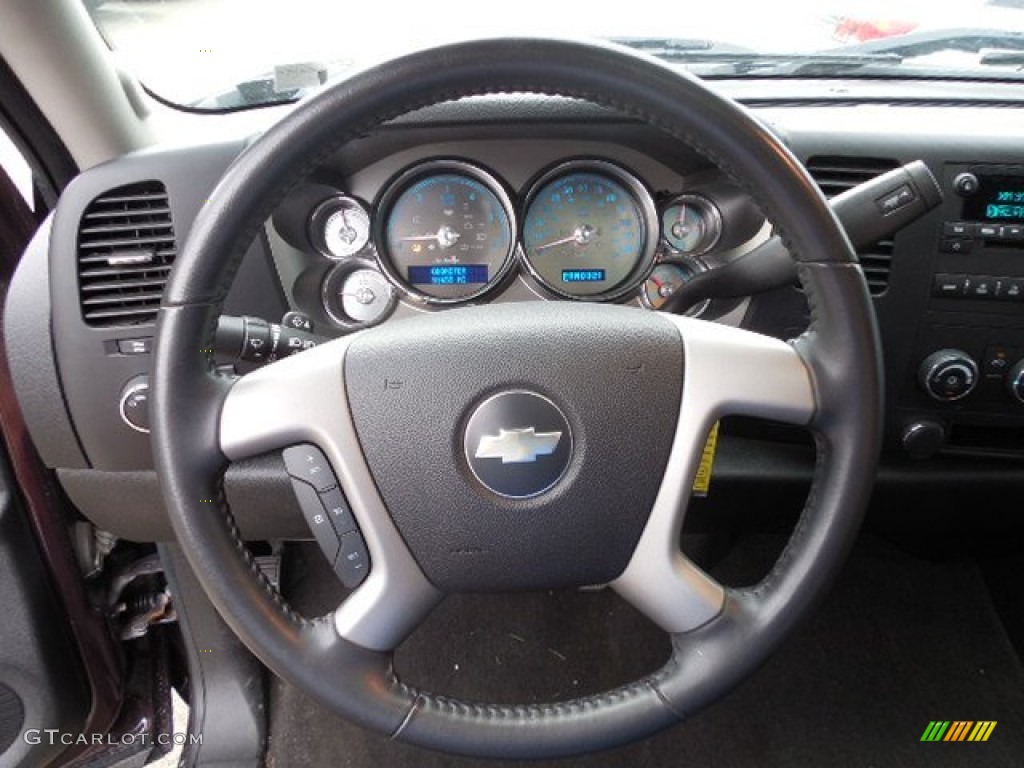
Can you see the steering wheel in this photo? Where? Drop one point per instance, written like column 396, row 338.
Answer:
column 402, row 413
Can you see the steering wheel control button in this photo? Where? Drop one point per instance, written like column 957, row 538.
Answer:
column 338, row 510
column 948, row 375
column 134, row 404
column 353, row 561
column 518, row 444
column 318, row 519
column 307, row 463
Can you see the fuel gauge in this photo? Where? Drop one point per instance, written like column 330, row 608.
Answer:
column 666, row 278
column 691, row 224
column 340, row 227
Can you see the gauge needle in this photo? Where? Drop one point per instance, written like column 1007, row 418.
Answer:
column 445, row 237
column 680, row 229
column 363, row 295
column 347, row 233
column 582, row 235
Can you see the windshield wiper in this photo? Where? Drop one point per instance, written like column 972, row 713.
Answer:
column 922, row 43
column 727, row 59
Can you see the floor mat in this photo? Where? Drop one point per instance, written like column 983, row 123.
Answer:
column 900, row 642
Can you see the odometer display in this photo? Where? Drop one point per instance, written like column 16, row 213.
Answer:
column 586, row 230
column 447, row 232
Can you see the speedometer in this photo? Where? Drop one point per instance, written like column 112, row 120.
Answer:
column 446, row 232
column 589, row 230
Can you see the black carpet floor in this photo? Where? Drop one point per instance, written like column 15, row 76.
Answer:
column 900, row 642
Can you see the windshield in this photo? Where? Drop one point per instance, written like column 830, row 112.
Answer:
column 226, row 54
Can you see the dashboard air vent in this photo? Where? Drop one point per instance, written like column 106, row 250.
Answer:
column 835, row 175
column 126, row 248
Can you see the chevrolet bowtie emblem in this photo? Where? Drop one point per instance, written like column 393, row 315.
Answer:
column 517, row 446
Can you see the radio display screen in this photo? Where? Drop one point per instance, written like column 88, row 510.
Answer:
column 999, row 199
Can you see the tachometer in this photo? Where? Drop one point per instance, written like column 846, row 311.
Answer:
column 447, row 232
column 589, row 230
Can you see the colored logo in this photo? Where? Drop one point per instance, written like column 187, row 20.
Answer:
column 958, row 730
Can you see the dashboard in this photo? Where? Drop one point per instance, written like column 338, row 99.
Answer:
column 520, row 199
column 432, row 231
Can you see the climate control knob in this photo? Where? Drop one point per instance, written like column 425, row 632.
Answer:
column 948, row 375
column 1015, row 382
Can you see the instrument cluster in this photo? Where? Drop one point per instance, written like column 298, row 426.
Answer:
column 447, row 231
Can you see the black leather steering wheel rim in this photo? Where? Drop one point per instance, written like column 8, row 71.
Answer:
column 840, row 351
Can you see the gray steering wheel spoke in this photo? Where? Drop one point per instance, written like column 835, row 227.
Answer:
column 301, row 399
column 728, row 371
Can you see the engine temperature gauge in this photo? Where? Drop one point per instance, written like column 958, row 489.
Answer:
column 340, row 227
column 356, row 295
column 666, row 278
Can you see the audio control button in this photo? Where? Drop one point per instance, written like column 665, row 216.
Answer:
column 958, row 228
column 956, row 244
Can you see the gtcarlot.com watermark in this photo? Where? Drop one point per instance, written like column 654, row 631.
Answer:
column 53, row 736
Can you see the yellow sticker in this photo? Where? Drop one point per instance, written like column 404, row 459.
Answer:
column 702, row 482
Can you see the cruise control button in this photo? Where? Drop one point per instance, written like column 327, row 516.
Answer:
column 318, row 519
column 307, row 462
column 353, row 561
column 950, row 286
column 338, row 510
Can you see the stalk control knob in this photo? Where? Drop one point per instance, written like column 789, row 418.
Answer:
column 948, row 375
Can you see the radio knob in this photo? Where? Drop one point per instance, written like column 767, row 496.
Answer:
column 1015, row 382
column 948, row 375
column 965, row 184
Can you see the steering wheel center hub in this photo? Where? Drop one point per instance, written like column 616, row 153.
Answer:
column 510, row 456
column 518, row 444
